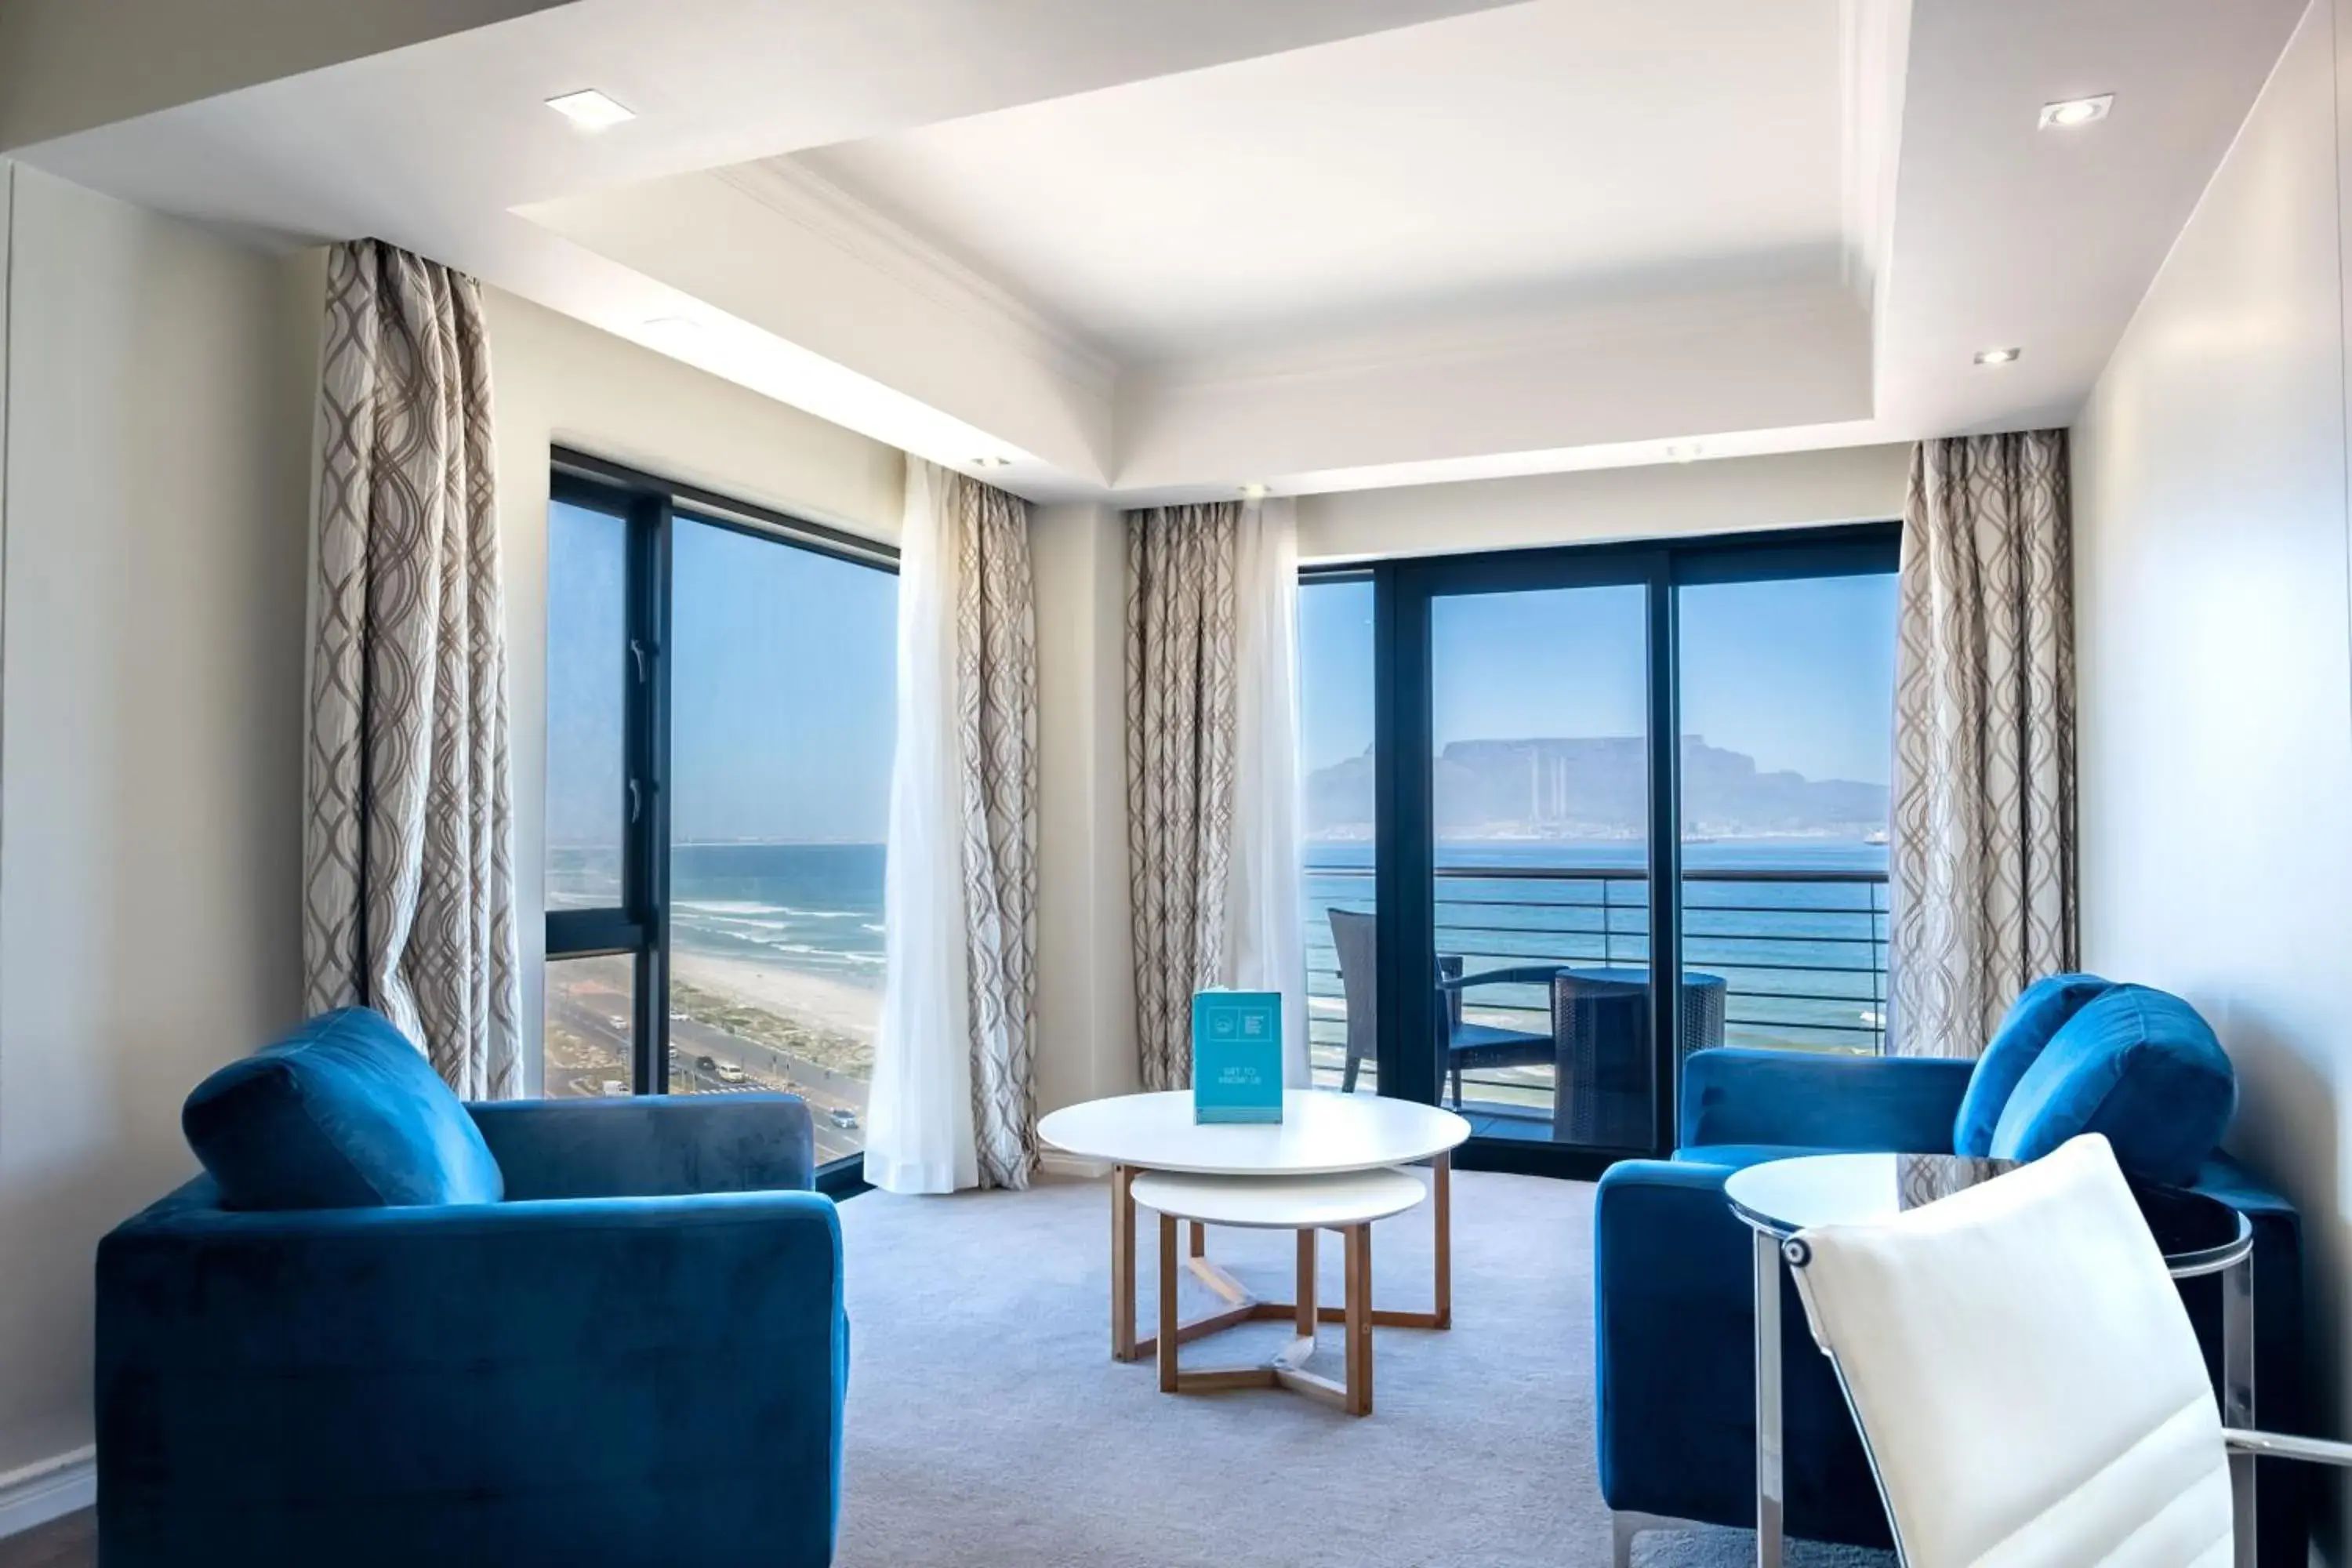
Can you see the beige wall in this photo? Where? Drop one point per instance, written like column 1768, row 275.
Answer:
column 1728, row 495
column 558, row 382
column 154, row 491
column 1086, row 984
column 2212, row 630
column 65, row 66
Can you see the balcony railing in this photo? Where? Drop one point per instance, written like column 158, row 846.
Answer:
column 1802, row 954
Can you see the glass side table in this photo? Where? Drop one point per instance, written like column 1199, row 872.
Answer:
column 2198, row 1235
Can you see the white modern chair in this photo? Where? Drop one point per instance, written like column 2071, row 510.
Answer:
column 2025, row 1378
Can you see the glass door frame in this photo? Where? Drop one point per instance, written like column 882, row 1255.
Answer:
column 1405, row 847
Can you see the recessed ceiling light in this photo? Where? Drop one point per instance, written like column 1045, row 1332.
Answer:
column 1254, row 491
column 1997, row 356
column 2075, row 111
column 590, row 110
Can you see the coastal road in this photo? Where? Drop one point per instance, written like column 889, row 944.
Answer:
column 599, row 1016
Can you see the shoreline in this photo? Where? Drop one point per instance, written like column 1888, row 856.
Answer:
column 815, row 1000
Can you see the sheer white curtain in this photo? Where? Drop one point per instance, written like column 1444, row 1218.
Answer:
column 954, row 1101
column 918, row 1119
column 1266, row 947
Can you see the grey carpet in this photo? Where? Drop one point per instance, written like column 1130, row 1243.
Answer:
column 988, row 1427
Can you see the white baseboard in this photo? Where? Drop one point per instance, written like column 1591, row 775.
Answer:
column 1053, row 1162
column 48, row 1489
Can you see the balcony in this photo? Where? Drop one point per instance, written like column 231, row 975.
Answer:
column 1802, row 954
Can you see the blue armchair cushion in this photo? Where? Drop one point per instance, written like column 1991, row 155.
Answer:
column 342, row 1113
column 2137, row 1065
column 650, row 1145
column 1820, row 1100
column 2037, row 1016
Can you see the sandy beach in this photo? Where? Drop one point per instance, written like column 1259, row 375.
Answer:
column 818, row 999
column 831, row 1020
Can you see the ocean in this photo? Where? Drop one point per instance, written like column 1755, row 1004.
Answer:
column 1796, row 927
column 812, row 907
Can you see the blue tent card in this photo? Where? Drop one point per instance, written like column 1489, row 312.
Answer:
column 1237, row 1055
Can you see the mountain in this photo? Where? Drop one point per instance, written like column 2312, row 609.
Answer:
column 1598, row 787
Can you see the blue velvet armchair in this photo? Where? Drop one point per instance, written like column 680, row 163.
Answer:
column 623, row 1342
column 1674, row 1282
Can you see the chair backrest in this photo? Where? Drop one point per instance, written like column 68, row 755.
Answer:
column 1355, row 940
column 2024, row 1374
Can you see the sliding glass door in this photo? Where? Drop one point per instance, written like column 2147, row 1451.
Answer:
column 1540, row 816
column 1338, row 698
column 1558, row 885
column 1787, row 747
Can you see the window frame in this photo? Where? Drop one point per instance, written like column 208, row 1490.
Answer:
column 1403, row 852
column 639, row 925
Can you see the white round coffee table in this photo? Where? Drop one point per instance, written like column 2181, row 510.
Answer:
column 1347, row 1203
column 1321, row 1133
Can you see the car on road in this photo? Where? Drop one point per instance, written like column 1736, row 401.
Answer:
column 730, row 1073
column 678, row 1018
column 617, row 1021
column 842, row 1117
column 706, row 1064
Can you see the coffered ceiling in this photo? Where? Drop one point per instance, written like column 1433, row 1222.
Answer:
column 1171, row 246
column 1481, row 170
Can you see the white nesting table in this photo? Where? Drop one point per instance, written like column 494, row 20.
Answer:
column 1348, row 1204
column 1321, row 1133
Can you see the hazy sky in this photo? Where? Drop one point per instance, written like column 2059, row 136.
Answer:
column 783, row 679
column 783, row 691
column 1798, row 675
column 781, row 686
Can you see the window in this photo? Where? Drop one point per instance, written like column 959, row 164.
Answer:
column 587, row 706
column 1334, row 707
column 1788, row 720
column 1632, row 804
column 1540, row 812
column 720, row 701
column 592, row 1006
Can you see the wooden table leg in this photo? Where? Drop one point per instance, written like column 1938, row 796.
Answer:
column 1168, row 1345
column 1200, row 1240
column 1122, row 1263
column 1442, row 1195
column 1359, row 1320
column 1305, row 1303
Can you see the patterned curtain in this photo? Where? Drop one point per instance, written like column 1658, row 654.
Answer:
column 1983, row 853
column 996, row 715
column 408, row 868
column 1182, row 715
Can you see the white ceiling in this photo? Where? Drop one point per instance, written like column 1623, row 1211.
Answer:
column 2004, row 234
column 1571, row 153
column 1161, row 248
